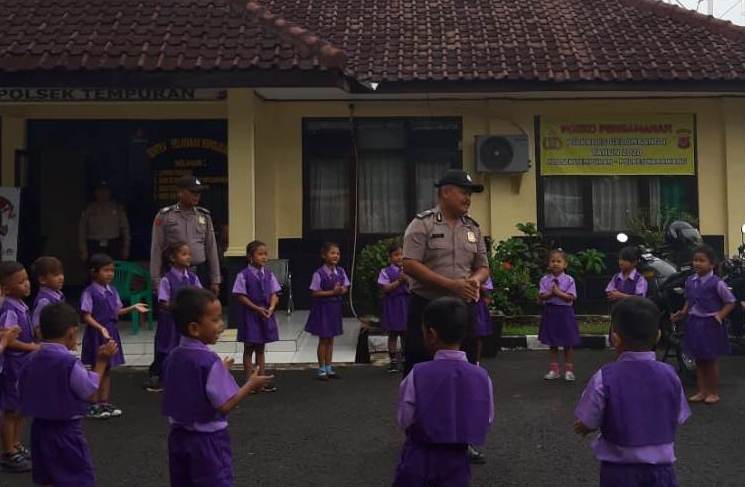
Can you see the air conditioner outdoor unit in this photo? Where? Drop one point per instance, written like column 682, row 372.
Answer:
column 502, row 154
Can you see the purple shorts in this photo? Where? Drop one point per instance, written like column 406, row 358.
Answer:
column 61, row 456
column 433, row 466
column 200, row 459
column 629, row 474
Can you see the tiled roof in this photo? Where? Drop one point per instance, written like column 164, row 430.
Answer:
column 377, row 40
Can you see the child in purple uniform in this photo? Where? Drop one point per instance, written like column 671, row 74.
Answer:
column 176, row 274
column 628, row 281
column 483, row 325
column 328, row 285
column 708, row 303
column 14, row 313
column 395, row 286
column 636, row 402
column 55, row 391
column 444, row 404
column 559, row 326
column 51, row 277
column 198, row 393
column 101, row 309
column 256, row 289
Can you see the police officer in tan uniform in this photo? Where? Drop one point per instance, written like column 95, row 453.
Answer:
column 103, row 227
column 187, row 222
column 445, row 255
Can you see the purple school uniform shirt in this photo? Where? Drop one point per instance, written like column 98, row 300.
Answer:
column 239, row 287
column 86, row 300
column 407, row 391
column 722, row 290
column 9, row 319
column 566, row 285
column 164, row 289
column 82, row 381
column 221, row 386
column 43, row 302
column 618, row 279
column 590, row 412
column 315, row 283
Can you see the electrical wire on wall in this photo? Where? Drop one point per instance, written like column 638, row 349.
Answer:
column 355, row 213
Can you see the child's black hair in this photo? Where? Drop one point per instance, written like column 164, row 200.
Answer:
column 629, row 254
column 252, row 247
column 449, row 317
column 168, row 252
column 8, row 269
column 327, row 246
column 189, row 306
column 708, row 252
column 636, row 320
column 56, row 319
column 560, row 252
column 98, row 261
column 46, row 266
column 394, row 247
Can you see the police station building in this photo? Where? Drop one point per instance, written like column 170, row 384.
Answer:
column 333, row 120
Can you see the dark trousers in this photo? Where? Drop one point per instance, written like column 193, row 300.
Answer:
column 113, row 248
column 415, row 351
column 203, row 273
column 156, row 368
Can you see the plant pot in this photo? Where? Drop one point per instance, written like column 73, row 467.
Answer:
column 492, row 343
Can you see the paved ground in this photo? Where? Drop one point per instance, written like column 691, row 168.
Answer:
column 343, row 434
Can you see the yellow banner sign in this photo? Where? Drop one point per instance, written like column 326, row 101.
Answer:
column 624, row 145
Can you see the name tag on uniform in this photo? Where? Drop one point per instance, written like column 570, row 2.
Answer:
column 471, row 237
column 202, row 221
column 437, row 235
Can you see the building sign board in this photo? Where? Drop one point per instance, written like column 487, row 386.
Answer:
column 109, row 94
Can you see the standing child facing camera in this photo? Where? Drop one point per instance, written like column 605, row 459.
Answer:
column 198, row 393
column 636, row 402
column 628, row 281
column 55, row 391
column 327, row 287
column 51, row 277
column 445, row 404
column 395, row 286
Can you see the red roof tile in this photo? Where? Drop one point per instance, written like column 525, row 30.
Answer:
column 377, row 40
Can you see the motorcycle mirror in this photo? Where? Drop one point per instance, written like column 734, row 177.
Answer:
column 623, row 238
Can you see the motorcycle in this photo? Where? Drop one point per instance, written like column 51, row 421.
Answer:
column 733, row 273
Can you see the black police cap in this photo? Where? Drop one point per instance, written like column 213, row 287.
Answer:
column 460, row 178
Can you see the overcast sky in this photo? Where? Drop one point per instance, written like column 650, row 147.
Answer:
column 731, row 10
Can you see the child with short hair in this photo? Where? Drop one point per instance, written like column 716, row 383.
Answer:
column 56, row 390
column 708, row 303
column 628, row 281
column 636, row 402
column 483, row 326
column 176, row 272
column 101, row 308
column 328, row 285
column 445, row 404
column 256, row 289
column 198, row 393
column 395, row 286
column 14, row 313
column 559, row 327
column 51, row 277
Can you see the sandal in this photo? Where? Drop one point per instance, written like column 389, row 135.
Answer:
column 700, row 397
column 711, row 399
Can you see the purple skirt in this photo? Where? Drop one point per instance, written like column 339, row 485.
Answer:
column 637, row 474
column 61, row 456
column 10, row 397
column 167, row 336
column 433, row 465
column 254, row 329
column 482, row 323
column 559, row 326
column 200, row 459
column 325, row 318
column 705, row 338
column 92, row 340
column 395, row 312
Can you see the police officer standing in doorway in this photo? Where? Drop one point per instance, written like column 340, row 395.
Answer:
column 187, row 222
column 103, row 228
column 445, row 255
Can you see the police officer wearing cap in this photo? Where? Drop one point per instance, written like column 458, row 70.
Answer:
column 187, row 222
column 445, row 255
column 103, row 227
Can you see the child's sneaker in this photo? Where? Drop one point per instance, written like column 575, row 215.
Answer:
column 332, row 373
column 392, row 368
column 23, row 451
column 16, row 463
column 269, row 388
column 569, row 376
column 113, row 411
column 552, row 375
column 323, row 376
column 152, row 384
column 97, row 411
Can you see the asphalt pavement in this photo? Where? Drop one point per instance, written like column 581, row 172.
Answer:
column 343, row 433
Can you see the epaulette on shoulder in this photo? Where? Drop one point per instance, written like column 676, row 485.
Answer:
column 471, row 220
column 166, row 209
column 203, row 210
column 425, row 214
